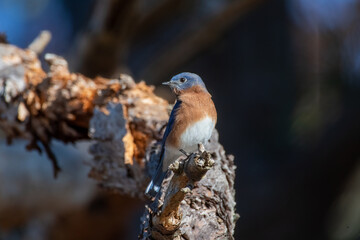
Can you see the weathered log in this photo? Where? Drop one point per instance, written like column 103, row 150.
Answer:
column 125, row 121
column 40, row 106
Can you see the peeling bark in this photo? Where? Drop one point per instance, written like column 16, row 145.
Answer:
column 125, row 121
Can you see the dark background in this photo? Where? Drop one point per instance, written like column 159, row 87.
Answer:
column 285, row 78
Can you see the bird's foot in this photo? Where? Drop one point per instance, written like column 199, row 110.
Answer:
column 184, row 152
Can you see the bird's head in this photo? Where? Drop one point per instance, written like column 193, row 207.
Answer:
column 184, row 81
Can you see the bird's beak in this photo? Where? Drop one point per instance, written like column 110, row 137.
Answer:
column 169, row 83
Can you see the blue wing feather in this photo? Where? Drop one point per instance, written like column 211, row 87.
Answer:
column 155, row 184
column 170, row 123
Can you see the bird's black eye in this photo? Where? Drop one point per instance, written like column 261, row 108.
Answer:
column 182, row 80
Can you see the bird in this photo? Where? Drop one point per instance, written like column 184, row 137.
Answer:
column 192, row 121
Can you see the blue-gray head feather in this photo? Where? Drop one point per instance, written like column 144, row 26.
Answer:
column 185, row 81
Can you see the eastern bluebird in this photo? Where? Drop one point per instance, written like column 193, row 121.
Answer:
column 191, row 122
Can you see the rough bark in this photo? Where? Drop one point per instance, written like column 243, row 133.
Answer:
column 192, row 206
column 125, row 121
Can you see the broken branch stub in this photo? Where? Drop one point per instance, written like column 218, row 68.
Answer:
column 208, row 212
column 186, row 173
column 198, row 164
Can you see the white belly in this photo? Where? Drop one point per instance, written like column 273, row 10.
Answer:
column 199, row 132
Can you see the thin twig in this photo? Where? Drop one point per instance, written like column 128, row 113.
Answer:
column 40, row 42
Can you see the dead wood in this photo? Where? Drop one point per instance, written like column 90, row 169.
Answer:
column 124, row 120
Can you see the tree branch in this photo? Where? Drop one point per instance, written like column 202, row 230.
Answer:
column 124, row 120
column 194, row 40
column 197, row 199
column 186, row 173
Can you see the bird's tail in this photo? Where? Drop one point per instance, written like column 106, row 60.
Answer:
column 154, row 186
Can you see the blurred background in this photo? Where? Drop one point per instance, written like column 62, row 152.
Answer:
column 284, row 75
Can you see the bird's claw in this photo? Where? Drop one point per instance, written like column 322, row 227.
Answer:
column 185, row 153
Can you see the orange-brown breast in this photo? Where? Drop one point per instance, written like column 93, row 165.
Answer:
column 196, row 104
